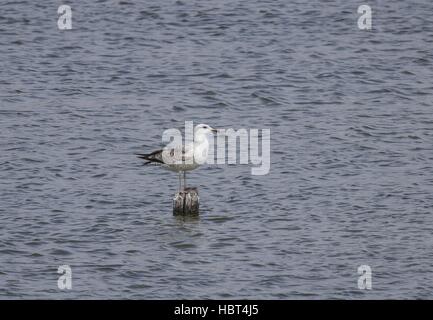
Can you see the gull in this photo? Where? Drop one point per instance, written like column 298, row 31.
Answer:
column 183, row 158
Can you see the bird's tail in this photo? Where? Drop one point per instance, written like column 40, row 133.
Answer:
column 154, row 157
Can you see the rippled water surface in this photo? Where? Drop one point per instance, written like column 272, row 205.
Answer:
column 351, row 122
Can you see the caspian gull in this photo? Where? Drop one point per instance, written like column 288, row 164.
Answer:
column 183, row 158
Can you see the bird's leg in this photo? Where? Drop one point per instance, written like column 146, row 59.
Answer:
column 180, row 181
column 184, row 180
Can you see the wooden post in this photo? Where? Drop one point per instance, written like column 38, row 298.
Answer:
column 186, row 202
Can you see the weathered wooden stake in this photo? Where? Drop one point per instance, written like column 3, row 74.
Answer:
column 186, row 202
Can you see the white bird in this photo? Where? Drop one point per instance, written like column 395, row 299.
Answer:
column 183, row 158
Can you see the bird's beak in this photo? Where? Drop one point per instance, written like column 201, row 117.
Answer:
column 214, row 130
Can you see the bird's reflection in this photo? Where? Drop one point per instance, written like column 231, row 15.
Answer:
column 182, row 219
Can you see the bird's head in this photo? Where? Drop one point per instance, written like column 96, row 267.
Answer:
column 203, row 129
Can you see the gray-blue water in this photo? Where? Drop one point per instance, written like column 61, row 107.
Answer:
column 351, row 119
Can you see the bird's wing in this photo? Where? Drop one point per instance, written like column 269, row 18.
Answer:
column 178, row 154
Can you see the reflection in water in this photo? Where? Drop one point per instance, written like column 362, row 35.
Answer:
column 192, row 219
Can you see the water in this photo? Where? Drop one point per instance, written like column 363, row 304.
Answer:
column 350, row 114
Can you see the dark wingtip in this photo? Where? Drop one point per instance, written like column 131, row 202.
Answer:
column 141, row 155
